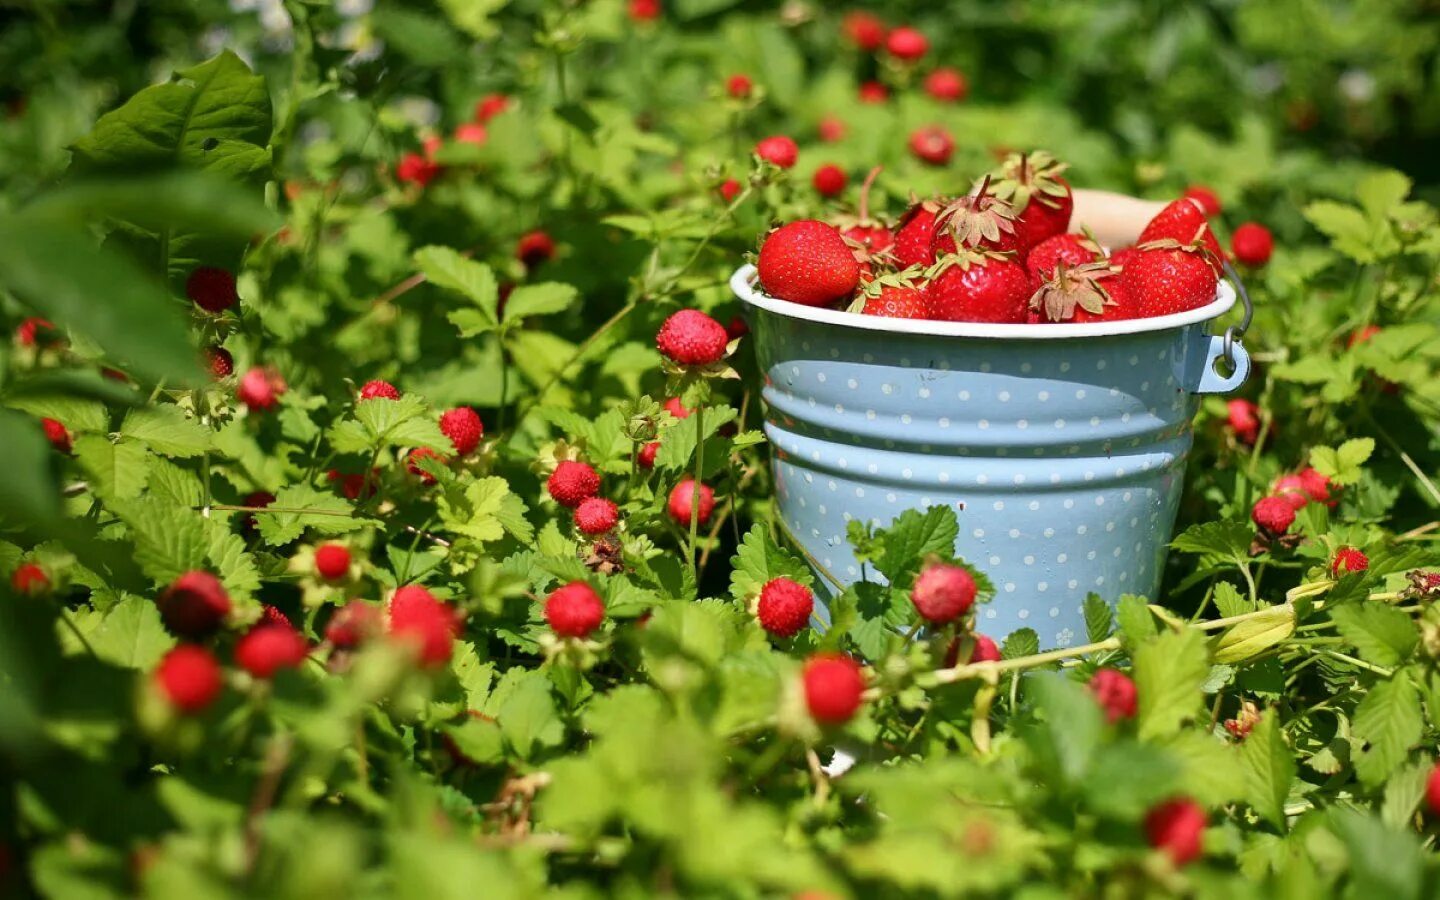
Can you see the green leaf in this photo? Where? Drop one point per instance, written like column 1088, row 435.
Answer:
column 168, row 542
column 1404, row 791
column 27, row 493
column 479, row 740
column 1253, row 636
column 192, row 200
column 476, row 513
column 1072, row 725
column 230, row 559
column 1021, row 642
column 473, row 16
column 77, row 414
column 380, row 422
column 677, row 444
column 757, row 560
column 913, row 536
column 1137, row 623
column 130, row 634
column 166, row 430
column 1169, row 671
column 1350, row 232
column 1345, row 465
column 1223, row 541
column 1383, row 862
column 1230, row 602
column 115, row 471
column 1388, row 720
column 446, row 268
column 425, row 39
column 1381, row 633
column 324, row 513
column 1269, row 768
column 1099, row 619
column 528, row 717
column 1380, row 192
column 539, row 300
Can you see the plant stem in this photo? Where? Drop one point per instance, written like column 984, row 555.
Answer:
column 695, row 488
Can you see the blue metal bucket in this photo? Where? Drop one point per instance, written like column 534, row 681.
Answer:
column 1062, row 447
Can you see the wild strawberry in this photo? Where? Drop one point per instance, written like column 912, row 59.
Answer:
column 422, row 621
column 1184, row 222
column 1177, row 827
column 1432, row 791
column 463, row 427
column 681, row 503
column 907, row 44
column 932, row 144
column 471, row 133
column 1347, row 560
column 691, row 338
column 416, row 169
column 829, row 180
column 260, row 388
column 1070, row 249
column 57, row 434
column 332, row 561
column 255, row 500
column 1092, row 292
column 353, row 624
column 779, row 150
column 644, row 10
column 1243, row 417
column 37, row 332
column 737, row 327
column 219, row 361
column 943, row 593
column 574, row 610
column 906, row 300
column 729, row 189
column 194, row 605
column 1115, row 693
column 1167, row 278
column 266, row 649
column 915, row 234
column 596, row 515
column 273, row 616
column 784, row 607
column 739, row 86
column 378, row 388
column 831, row 130
column 974, row 287
column 807, row 262
column 352, row 485
column 674, row 407
column 30, row 580
column 211, row 289
column 490, row 106
column 534, row 248
column 1292, row 489
column 834, row 687
column 946, row 85
column 189, row 678
column 572, row 483
column 1317, row 486
column 978, row 221
column 1209, row 201
column 1362, row 335
column 864, row 30
column 1252, row 244
column 873, row 92
column 985, row 650
column 413, row 458
column 1244, row 722
column 645, row 459
column 1274, row 515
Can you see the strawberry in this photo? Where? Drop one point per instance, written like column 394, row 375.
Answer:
column 30, row 580
column 353, row 484
column 915, row 234
column 873, row 92
column 37, row 332
column 1092, row 292
column 778, row 149
column 906, row 44
column 674, row 407
column 596, row 515
column 189, row 678
column 834, row 687
column 1292, row 489
column 645, row 459
column 1165, row 277
column 463, row 427
column 534, row 248
column 572, row 483
column 899, row 296
column 1348, row 559
column 377, row 388
column 983, row 649
column 864, row 30
column 682, row 499
column 1243, row 417
column 737, row 327
column 829, row 180
column 808, row 262
column 211, row 289
column 1361, row 335
column 353, row 624
column 943, row 593
column 254, row 500
column 1209, row 201
column 946, row 85
column 421, row 621
column 1115, row 693
column 471, row 133
column 729, row 189
column 644, row 10
column 194, row 605
column 574, row 610
column 490, row 106
column 932, row 144
column 272, row 615
column 1040, row 198
column 869, row 236
column 57, row 434
column 412, row 463
column 219, row 361
column 1184, row 222
column 332, row 561
column 1176, row 827
column 831, row 130
column 415, row 168
column 1274, row 515
column 979, row 287
column 784, row 607
column 1317, row 486
column 1252, row 244
column 1071, row 249
column 1432, row 791
column 692, row 338
column 739, row 86
column 266, row 649
column 979, row 221
column 260, row 388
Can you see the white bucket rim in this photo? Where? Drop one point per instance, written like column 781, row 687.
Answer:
column 744, row 281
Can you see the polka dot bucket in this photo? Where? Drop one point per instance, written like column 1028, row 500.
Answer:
column 1061, row 447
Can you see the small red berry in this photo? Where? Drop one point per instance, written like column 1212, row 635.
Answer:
column 332, row 561
column 677, row 409
column 784, row 607
column 1252, row 244
column 834, row 687
column 414, row 168
column 646, row 457
column 572, row 483
column 1115, row 693
column 260, row 388
column 471, row 133
column 1317, row 486
column 267, row 648
column 212, row 289
column 739, row 86
column 780, row 150
column 737, row 327
column 1361, row 335
column 1176, row 827
column 219, row 361
column 56, row 434
column 907, row 44
column 490, row 106
column 353, row 484
column 189, row 678
column 413, row 458
column 1243, row 417
column 947, row 85
column 418, row 618
column 29, row 579
column 194, row 605
column 377, row 388
column 829, row 180
column 644, row 10
column 1432, row 791
column 985, row 650
column 682, row 498
column 873, row 92
column 463, row 427
column 353, row 624
column 1347, row 560
column 864, row 30
column 255, row 500
column 1292, row 488
column 574, row 610
column 534, row 248
column 596, row 515
column 932, row 144
column 273, row 616
column 729, row 190
column 1274, row 515
column 1209, row 200
column 36, row 332
column 831, row 130
column 943, row 593
column 691, row 338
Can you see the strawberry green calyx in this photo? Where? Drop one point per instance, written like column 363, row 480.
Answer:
column 1036, row 175
column 1072, row 288
column 979, row 219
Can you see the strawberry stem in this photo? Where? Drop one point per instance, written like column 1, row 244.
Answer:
column 865, row 193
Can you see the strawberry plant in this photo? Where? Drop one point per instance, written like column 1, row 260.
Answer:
column 388, row 503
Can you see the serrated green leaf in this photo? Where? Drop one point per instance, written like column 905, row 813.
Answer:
column 1137, row 623
column 1169, row 672
column 914, row 535
column 528, row 717
column 1230, row 602
column 1073, row 725
column 77, row 414
column 1381, row 633
column 476, row 512
column 166, row 430
column 446, row 268
column 1223, row 541
column 1404, row 791
column 323, row 513
column 1269, row 767
column 1388, row 720
column 757, row 560
column 1020, row 642
column 1099, row 619
column 677, row 443
column 230, row 560
column 539, row 300
column 115, row 471
column 130, row 634
column 1345, row 464
column 168, row 542
column 1253, row 636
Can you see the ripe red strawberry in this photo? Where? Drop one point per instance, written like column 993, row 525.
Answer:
column 1274, row 515
column 37, row 332
column 254, row 500
column 674, row 407
column 219, row 361
column 943, row 593
column 1070, row 249
column 739, row 86
column 260, row 388
column 778, row 149
column 353, row 484
column 932, row 144
column 831, row 130
column 1119, row 258
column 1092, row 292
column 268, row 648
column 784, row 607
column 729, row 189
column 332, row 561
column 1183, row 221
column 1362, row 335
column 194, row 605
column 834, row 688
column 737, row 327
column 211, row 289
column 868, row 236
column 30, row 580
column 1167, row 278
column 978, row 221
column 273, row 616
column 412, row 463
column 1317, row 486
column 985, row 650
column 463, row 427
column 1040, row 198
column 1432, row 791
column 873, row 92
column 422, row 621
column 1347, row 560
column 864, row 30
column 691, row 338
column 946, row 85
column 644, row 10
column 907, row 300
column 490, row 106
column 189, row 678
column 1252, row 244
column 1243, row 417
column 574, row 610
column 915, row 235
column 1292, row 489
column 572, row 483
column 682, row 498
column 596, row 515
column 1177, row 827
column 415, row 168
column 353, row 624
column 1209, row 201
column 808, row 262
column 534, row 248
column 57, row 434
column 471, row 133
column 829, row 180
column 907, row 44
column 377, row 388
column 1115, row 693
column 971, row 287
column 645, row 459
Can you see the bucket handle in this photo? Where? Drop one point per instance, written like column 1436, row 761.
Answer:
column 1228, row 348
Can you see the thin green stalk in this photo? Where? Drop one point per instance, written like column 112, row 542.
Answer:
column 695, row 489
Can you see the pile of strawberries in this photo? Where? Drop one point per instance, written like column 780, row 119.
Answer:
column 999, row 254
